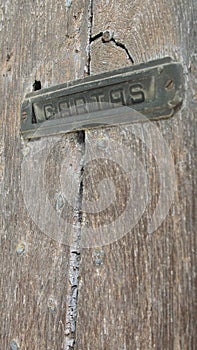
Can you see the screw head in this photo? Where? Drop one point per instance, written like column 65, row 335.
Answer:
column 107, row 35
column 169, row 85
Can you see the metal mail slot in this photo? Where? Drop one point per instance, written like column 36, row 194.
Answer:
column 154, row 89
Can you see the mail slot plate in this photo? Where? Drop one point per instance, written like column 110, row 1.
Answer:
column 154, row 89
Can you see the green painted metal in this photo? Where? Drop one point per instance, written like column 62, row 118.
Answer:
column 154, row 89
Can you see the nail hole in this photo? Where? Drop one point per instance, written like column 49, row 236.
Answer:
column 37, row 85
column 8, row 57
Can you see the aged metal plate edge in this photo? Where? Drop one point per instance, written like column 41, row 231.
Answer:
column 154, row 89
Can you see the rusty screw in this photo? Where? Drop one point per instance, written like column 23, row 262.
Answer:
column 107, row 35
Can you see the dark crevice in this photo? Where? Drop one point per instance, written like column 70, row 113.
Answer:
column 81, row 195
column 8, row 57
column 34, row 120
column 124, row 48
column 37, row 85
column 117, row 43
column 90, row 35
column 95, row 37
column 81, row 137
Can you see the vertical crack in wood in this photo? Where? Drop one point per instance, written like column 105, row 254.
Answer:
column 90, row 25
column 75, row 253
column 75, row 249
column 74, row 262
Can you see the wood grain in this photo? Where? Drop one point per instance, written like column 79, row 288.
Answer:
column 139, row 291
column 148, row 30
column 44, row 41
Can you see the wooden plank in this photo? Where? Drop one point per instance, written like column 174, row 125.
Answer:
column 45, row 41
column 139, row 291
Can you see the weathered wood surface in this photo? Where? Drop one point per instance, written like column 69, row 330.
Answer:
column 139, row 291
column 45, row 41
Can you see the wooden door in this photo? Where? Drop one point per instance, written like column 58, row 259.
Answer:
column 137, row 291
